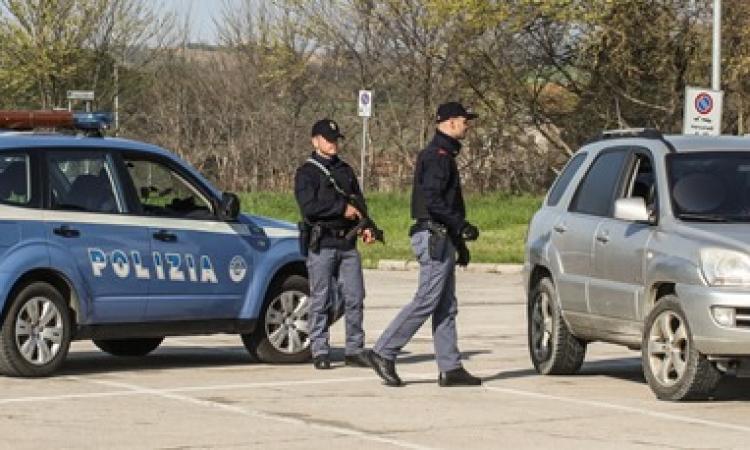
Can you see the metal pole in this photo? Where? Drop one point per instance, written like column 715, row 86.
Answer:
column 716, row 62
column 117, row 99
column 362, row 155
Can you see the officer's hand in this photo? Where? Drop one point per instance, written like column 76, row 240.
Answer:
column 352, row 213
column 367, row 236
column 464, row 257
column 469, row 232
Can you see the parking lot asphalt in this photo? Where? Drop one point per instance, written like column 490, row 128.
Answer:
column 201, row 392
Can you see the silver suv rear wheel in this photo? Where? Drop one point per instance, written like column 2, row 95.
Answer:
column 554, row 350
column 673, row 367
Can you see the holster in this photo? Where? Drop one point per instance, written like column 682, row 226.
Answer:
column 316, row 234
column 437, row 241
column 304, row 237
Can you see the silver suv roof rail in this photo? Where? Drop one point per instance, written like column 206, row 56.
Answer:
column 646, row 133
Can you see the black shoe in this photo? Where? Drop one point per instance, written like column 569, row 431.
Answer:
column 357, row 360
column 321, row 362
column 385, row 368
column 458, row 377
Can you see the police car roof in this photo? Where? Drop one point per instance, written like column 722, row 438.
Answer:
column 21, row 140
column 11, row 140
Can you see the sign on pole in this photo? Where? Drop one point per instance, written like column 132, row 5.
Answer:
column 365, row 103
column 703, row 109
column 81, row 95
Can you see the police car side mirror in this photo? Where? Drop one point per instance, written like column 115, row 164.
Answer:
column 229, row 207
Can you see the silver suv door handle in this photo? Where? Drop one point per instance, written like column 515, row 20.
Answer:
column 603, row 238
column 560, row 228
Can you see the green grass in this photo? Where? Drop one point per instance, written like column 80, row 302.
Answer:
column 501, row 218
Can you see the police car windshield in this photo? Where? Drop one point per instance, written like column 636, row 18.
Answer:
column 710, row 186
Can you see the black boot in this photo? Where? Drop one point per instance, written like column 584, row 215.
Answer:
column 321, row 362
column 458, row 377
column 385, row 368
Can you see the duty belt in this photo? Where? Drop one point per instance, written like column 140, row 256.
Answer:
column 428, row 225
column 338, row 233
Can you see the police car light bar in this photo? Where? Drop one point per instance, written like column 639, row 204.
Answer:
column 29, row 120
column 92, row 121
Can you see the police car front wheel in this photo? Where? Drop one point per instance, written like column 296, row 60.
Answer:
column 36, row 332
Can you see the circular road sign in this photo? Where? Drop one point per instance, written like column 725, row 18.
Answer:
column 704, row 103
column 364, row 98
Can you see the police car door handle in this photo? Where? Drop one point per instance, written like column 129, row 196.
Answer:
column 165, row 236
column 560, row 228
column 66, row 232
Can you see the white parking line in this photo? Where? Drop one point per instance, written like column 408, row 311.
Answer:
column 622, row 408
column 133, row 390
column 372, row 437
column 52, row 398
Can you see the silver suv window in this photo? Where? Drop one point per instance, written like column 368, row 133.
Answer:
column 595, row 194
column 710, row 186
column 563, row 180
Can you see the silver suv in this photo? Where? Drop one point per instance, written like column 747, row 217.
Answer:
column 644, row 241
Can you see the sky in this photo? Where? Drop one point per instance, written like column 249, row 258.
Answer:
column 202, row 13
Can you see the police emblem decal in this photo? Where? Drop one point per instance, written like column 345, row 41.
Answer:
column 237, row 269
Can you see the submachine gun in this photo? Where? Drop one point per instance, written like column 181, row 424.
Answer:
column 365, row 222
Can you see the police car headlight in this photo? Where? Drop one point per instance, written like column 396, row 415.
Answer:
column 722, row 267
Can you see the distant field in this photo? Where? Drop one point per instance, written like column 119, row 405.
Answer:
column 502, row 220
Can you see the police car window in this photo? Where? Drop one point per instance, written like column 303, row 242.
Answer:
column 595, row 195
column 163, row 192
column 558, row 189
column 15, row 182
column 82, row 182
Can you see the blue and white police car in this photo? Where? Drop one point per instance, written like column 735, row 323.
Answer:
column 123, row 243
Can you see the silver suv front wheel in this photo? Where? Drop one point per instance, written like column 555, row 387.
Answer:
column 673, row 367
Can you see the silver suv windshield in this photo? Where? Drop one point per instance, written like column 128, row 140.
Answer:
column 710, row 186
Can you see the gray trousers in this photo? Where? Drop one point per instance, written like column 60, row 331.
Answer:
column 436, row 297
column 335, row 277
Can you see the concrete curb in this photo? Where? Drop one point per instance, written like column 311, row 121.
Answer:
column 397, row 264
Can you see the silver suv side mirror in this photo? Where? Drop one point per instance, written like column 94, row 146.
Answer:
column 632, row 209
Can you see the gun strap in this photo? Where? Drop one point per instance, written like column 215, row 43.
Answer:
column 328, row 175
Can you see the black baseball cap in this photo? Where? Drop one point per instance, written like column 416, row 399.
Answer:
column 453, row 109
column 327, row 128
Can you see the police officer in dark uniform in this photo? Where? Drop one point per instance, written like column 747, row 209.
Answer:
column 322, row 186
column 438, row 239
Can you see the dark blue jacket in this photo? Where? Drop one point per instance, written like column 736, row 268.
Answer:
column 318, row 201
column 436, row 194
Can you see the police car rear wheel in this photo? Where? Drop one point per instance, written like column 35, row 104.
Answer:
column 281, row 335
column 128, row 347
column 36, row 332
